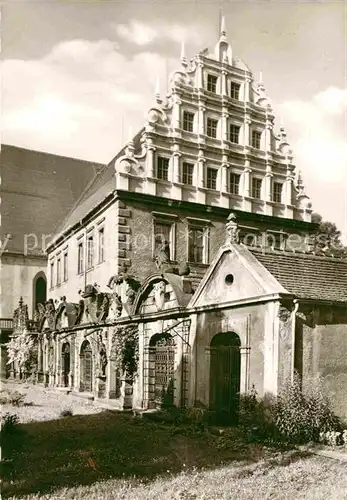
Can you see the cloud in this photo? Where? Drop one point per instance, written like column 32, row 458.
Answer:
column 318, row 130
column 141, row 34
column 75, row 99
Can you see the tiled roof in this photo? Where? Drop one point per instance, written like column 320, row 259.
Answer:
column 307, row 276
column 37, row 191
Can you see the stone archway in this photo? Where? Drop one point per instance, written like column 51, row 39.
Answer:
column 225, row 375
column 86, row 367
column 162, row 350
column 65, row 363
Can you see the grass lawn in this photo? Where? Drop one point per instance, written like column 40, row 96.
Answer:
column 113, row 455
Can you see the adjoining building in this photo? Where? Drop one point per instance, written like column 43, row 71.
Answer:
column 184, row 274
column 37, row 190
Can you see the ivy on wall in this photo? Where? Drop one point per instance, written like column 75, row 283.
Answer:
column 125, row 349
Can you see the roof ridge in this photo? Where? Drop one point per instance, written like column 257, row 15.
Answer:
column 304, row 255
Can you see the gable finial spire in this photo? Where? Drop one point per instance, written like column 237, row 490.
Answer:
column 183, row 55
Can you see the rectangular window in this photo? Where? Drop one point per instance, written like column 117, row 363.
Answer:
column 188, row 121
column 90, row 252
column 234, row 183
column 162, row 234
column 212, row 83
column 187, row 173
column 58, row 271
column 211, row 178
column 52, row 274
column 101, row 241
column 212, row 127
column 234, row 132
column 65, row 266
column 256, row 188
column 196, row 244
column 256, row 137
column 277, row 192
column 80, row 258
column 235, row 90
column 163, row 168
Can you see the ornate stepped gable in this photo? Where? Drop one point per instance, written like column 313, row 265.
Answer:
column 218, row 87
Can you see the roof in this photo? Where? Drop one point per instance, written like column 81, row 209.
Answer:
column 307, row 276
column 37, row 190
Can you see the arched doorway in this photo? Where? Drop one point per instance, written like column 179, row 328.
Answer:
column 225, row 369
column 162, row 370
column 40, row 290
column 65, row 353
column 86, row 367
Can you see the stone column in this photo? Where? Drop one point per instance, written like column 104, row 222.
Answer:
column 176, row 107
column 268, row 136
column 246, row 135
column 224, row 89
column 176, row 164
column 201, row 119
column 199, row 81
column 201, row 169
column 268, row 184
column 224, row 125
column 247, row 179
column 150, row 167
column 224, row 176
column 247, row 94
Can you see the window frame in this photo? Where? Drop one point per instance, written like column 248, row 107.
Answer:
column 80, row 256
column 90, row 250
column 208, row 170
column 204, row 226
column 238, row 127
column 65, row 265
column 232, row 87
column 256, row 139
column 210, row 127
column 159, row 159
column 101, row 254
column 192, row 114
column 274, row 192
column 230, row 183
column 256, row 188
column 52, row 271
column 214, row 83
column 190, row 164
column 168, row 220
column 58, row 271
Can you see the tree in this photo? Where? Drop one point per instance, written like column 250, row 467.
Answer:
column 328, row 238
column 21, row 350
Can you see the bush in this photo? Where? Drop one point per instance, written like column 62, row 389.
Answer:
column 14, row 398
column 293, row 417
column 301, row 417
column 9, row 423
column 67, row 412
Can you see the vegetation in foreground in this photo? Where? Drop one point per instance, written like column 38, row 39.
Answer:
column 76, row 451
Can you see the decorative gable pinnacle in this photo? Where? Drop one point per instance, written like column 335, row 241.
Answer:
column 232, row 228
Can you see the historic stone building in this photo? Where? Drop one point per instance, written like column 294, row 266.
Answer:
column 36, row 190
column 184, row 274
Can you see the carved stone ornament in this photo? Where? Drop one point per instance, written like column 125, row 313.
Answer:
column 233, row 229
column 284, row 314
column 20, row 318
column 159, row 294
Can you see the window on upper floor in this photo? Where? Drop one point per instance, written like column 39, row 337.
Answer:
column 256, row 138
column 212, row 127
column 52, row 274
column 234, row 133
column 65, row 265
column 80, row 257
column 90, row 251
column 58, row 271
column 198, row 242
column 256, row 188
column 234, row 183
column 163, row 168
column 277, row 192
column 164, row 231
column 101, row 243
column 234, row 90
column 187, row 173
column 212, row 83
column 188, row 121
column 211, row 178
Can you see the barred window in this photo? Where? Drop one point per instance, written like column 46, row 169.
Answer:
column 212, row 83
column 211, row 178
column 256, row 188
column 234, row 133
column 212, row 127
column 277, row 192
column 256, row 138
column 234, row 183
column 187, row 173
column 188, row 121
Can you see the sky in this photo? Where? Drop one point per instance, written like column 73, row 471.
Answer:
column 76, row 76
